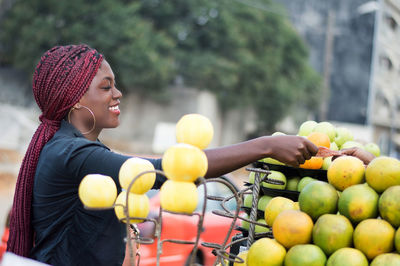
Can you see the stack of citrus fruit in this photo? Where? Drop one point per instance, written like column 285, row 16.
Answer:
column 351, row 219
column 184, row 162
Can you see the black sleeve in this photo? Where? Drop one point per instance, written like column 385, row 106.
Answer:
column 95, row 158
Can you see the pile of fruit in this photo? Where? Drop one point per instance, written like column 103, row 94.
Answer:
column 350, row 217
column 182, row 163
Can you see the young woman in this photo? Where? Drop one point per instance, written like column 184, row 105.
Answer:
column 74, row 87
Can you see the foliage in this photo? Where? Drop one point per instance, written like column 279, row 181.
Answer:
column 243, row 54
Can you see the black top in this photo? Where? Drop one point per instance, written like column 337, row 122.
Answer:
column 65, row 232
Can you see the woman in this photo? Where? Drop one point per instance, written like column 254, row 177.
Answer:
column 74, row 87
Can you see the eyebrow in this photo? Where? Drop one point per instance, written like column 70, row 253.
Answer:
column 110, row 79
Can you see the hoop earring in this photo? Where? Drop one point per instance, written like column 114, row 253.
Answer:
column 90, row 111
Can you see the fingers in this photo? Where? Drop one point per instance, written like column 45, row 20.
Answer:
column 311, row 147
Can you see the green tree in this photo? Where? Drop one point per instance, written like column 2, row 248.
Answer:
column 245, row 55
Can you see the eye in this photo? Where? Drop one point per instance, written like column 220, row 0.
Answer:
column 107, row 88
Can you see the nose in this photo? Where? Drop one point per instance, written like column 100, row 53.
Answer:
column 116, row 93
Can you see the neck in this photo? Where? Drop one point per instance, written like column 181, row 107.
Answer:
column 93, row 136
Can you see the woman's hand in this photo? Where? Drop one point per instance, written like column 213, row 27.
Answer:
column 291, row 150
column 361, row 154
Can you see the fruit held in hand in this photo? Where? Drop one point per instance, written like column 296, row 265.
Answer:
column 194, row 129
column 130, row 169
column 177, row 196
column 184, row 162
column 138, row 206
column 97, row 191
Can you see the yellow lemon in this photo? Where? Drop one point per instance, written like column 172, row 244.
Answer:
column 130, row 169
column 177, row 196
column 243, row 256
column 383, row 172
column 194, row 129
column 138, row 206
column 97, row 191
column 184, row 162
column 346, row 171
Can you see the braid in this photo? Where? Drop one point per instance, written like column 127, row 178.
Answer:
column 61, row 78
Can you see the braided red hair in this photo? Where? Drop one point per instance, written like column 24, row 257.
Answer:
column 61, row 78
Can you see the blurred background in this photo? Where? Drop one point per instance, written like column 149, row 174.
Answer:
column 252, row 66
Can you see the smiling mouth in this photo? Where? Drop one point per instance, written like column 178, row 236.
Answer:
column 114, row 109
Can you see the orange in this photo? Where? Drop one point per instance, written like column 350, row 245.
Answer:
column 374, row 237
column 346, row 171
column 132, row 168
column 383, row 172
column 319, row 139
column 318, row 198
column 194, row 129
column 389, row 205
column 358, row 202
column 275, row 206
column 97, row 191
column 347, row 256
column 184, row 162
column 138, row 206
column 332, row 232
column 387, row 259
column 292, row 227
column 177, row 196
column 266, row 252
column 305, row 255
column 313, row 163
column 397, row 240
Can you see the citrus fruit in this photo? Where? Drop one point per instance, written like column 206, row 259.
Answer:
column 194, row 129
column 383, row 172
column 347, row 256
column 343, row 135
column 275, row 206
column 319, row 139
column 350, row 144
column 177, row 196
column 248, row 200
column 242, row 255
column 374, row 237
column 263, row 202
column 359, row 202
column 292, row 183
column 265, row 252
column 276, row 175
column 292, row 227
column 327, row 162
column 332, row 232
column 373, row 148
column 334, row 146
column 184, row 162
column 303, row 182
column 397, row 240
column 296, row 205
column 97, row 191
column 318, row 198
column 313, row 163
column 346, row 171
column 245, row 224
column 261, row 229
column 252, row 177
column 389, row 205
column 327, row 128
column 138, row 206
column 133, row 167
column 386, row 259
column 272, row 161
column 305, row 255
column 306, row 128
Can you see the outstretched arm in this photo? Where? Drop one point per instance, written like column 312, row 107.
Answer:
column 291, row 150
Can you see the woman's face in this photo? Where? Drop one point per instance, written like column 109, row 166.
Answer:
column 102, row 98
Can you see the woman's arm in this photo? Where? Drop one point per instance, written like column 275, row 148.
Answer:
column 291, row 150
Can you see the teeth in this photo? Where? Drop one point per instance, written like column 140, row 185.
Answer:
column 114, row 108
